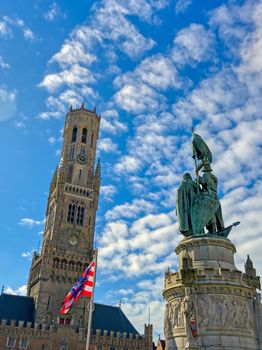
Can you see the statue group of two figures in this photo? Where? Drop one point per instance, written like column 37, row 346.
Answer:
column 197, row 205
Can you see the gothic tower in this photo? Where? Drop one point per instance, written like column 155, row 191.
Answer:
column 70, row 221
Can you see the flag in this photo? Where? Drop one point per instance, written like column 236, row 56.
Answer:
column 193, row 327
column 200, row 149
column 84, row 286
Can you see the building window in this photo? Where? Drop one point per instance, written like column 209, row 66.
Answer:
column 71, row 213
column 72, row 153
column 99, row 347
column 23, row 343
column 80, row 215
column 64, row 320
column 10, row 342
column 84, row 135
column 92, row 139
column 43, row 346
column 112, row 348
column 82, row 150
column 74, row 133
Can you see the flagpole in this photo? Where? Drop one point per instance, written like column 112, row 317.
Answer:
column 90, row 305
column 195, row 159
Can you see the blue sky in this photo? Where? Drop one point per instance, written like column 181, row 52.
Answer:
column 152, row 68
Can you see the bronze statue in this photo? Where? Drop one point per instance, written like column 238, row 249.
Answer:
column 197, row 203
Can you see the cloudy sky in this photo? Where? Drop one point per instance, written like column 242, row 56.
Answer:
column 152, row 68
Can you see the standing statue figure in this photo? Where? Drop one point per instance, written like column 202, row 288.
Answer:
column 209, row 184
column 197, row 204
column 190, row 319
column 186, row 194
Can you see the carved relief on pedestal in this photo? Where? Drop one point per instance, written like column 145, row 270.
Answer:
column 174, row 316
column 224, row 311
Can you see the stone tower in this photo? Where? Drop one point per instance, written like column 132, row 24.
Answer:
column 70, row 221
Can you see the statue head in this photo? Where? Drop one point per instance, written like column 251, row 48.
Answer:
column 186, row 176
column 206, row 167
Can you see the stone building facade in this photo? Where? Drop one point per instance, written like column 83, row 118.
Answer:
column 67, row 250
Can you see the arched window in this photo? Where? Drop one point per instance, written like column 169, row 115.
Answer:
column 74, row 133
column 71, row 213
column 84, row 135
column 80, row 215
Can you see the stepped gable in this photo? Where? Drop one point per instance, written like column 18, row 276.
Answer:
column 111, row 318
column 17, row 308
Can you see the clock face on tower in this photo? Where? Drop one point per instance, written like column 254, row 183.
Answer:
column 73, row 240
column 81, row 158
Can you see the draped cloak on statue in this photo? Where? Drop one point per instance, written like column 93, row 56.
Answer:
column 193, row 208
column 184, row 202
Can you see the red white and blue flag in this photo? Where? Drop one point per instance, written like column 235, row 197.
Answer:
column 84, row 286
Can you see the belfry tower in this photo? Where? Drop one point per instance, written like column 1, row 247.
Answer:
column 70, row 221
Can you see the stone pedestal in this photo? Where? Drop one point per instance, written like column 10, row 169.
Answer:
column 210, row 305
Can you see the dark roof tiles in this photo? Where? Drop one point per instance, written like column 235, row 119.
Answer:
column 112, row 319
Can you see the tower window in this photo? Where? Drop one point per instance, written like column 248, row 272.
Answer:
column 74, row 134
column 80, row 215
column 23, row 343
column 92, row 139
column 10, row 342
column 80, row 173
column 84, row 135
column 72, row 153
column 71, row 213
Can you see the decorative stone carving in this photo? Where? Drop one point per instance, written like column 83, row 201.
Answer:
column 218, row 311
column 64, row 344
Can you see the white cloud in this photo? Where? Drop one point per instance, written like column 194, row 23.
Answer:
column 28, row 255
column 107, row 192
column 7, row 103
column 48, row 115
column 110, row 122
column 19, row 291
column 51, row 140
column 19, row 124
column 5, row 31
column 3, row 64
column 73, row 52
column 193, row 44
column 127, row 164
column 142, row 247
column 28, row 222
column 28, row 34
column 139, row 98
column 53, row 12
column 129, row 210
column 73, row 76
column 182, row 5
column 107, row 145
column 157, row 71
column 19, row 23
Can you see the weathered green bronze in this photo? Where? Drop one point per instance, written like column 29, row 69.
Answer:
column 197, row 204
